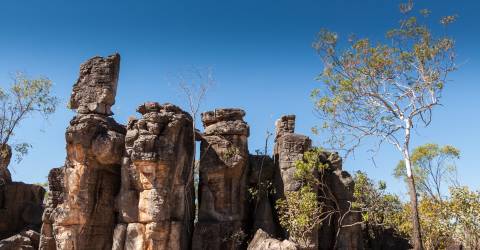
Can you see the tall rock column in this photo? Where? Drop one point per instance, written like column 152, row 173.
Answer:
column 156, row 201
column 85, row 218
column 222, row 188
column 289, row 148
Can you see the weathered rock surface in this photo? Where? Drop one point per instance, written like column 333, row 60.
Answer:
column 290, row 147
column 263, row 241
column 156, row 200
column 261, row 194
column 132, row 188
column 222, row 188
column 5, row 157
column 21, row 208
column 85, row 218
column 56, row 187
column 96, row 87
column 21, row 205
column 24, row 240
column 341, row 185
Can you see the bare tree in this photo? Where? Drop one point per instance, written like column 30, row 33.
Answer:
column 384, row 90
column 194, row 85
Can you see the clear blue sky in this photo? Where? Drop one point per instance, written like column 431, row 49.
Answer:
column 260, row 51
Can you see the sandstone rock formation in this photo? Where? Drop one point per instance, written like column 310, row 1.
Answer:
column 223, row 186
column 261, row 193
column 156, row 199
column 56, row 196
column 95, row 90
column 25, row 240
column 290, row 147
column 21, row 208
column 5, row 157
column 132, row 187
column 85, row 218
column 263, row 241
column 20, row 204
column 341, row 185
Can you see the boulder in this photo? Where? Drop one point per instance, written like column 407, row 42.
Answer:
column 263, row 241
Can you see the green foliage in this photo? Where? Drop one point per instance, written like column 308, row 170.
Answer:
column 25, row 97
column 306, row 169
column 433, row 165
column 378, row 208
column 455, row 218
column 382, row 88
column 300, row 214
column 465, row 209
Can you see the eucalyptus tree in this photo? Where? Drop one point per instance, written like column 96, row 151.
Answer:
column 23, row 98
column 382, row 90
column 433, row 167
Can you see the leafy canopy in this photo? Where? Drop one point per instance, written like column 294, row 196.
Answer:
column 23, row 98
column 382, row 88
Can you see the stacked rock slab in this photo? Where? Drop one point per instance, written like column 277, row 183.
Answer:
column 156, row 201
column 222, row 187
column 85, row 218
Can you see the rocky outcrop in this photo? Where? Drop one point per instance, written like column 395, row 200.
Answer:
column 261, row 193
column 341, row 186
column 55, row 197
column 289, row 148
column 132, row 187
column 21, row 205
column 263, row 241
column 95, row 90
column 22, row 208
column 156, row 199
column 222, row 188
column 85, row 218
column 5, row 157
column 25, row 240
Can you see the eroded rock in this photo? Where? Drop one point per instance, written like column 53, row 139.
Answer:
column 85, row 218
column 156, row 201
column 25, row 240
column 263, row 241
column 96, row 87
column 222, row 188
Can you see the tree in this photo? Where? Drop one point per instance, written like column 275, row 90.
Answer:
column 384, row 90
column 378, row 208
column 465, row 209
column 432, row 166
column 24, row 97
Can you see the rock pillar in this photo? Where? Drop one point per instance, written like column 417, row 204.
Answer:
column 85, row 218
column 156, row 201
column 223, row 186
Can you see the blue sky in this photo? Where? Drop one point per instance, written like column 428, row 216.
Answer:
column 260, row 51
